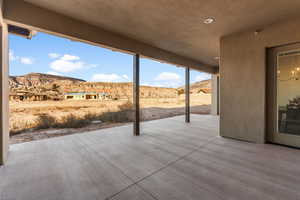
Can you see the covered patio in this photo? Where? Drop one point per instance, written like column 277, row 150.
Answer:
column 188, row 161
column 226, row 157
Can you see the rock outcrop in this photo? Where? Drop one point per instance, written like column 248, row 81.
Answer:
column 56, row 86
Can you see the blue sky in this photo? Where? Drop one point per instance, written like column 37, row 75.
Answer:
column 54, row 55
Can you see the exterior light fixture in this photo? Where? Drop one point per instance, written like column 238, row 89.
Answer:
column 209, row 20
column 20, row 31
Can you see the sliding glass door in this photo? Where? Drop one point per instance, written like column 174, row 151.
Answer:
column 283, row 92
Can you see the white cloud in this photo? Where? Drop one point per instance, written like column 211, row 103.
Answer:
column 66, row 66
column 69, row 63
column 26, row 60
column 167, row 79
column 23, row 60
column 54, row 73
column 166, row 84
column 12, row 56
column 124, row 76
column 53, row 55
column 167, row 76
column 170, row 84
column 68, row 57
column 202, row 77
column 109, row 78
column 92, row 65
column 153, row 84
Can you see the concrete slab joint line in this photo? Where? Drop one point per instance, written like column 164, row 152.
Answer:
column 181, row 158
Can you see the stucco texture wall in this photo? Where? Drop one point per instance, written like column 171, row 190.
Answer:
column 243, row 79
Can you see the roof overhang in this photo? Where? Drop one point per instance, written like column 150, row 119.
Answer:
column 28, row 16
column 165, row 30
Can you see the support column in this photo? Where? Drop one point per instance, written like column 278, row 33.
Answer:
column 4, row 92
column 136, row 94
column 215, row 95
column 187, row 94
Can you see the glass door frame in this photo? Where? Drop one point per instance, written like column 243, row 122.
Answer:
column 273, row 133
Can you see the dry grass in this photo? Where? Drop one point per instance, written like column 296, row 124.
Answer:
column 28, row 116
column 45, row 120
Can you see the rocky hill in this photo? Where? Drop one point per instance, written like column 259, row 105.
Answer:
column 199, row 87
column 119, row 90
column 56, row 86
column 39, row 79
column 201, row 84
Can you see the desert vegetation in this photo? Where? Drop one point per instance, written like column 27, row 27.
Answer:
column 39, row 107
column 32, row 117
column 43, row 119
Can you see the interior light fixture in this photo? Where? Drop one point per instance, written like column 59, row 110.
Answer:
column 208, row 20
column 217, row 58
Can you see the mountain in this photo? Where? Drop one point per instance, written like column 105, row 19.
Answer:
column 201, row 85
column 54, row 87
column 198, row 87
column 39, row 79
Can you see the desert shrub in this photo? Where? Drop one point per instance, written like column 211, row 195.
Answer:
column 17, row 127
column 180, row 91
column 72, row 121
column 119, row 116
column 55, row 87
column 91, row 116
column 124, row 114
column 126, row 106
column 45, row 121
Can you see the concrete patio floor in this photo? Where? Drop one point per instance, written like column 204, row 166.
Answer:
column 170, row 160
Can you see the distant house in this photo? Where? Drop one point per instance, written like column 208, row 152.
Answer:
column 27, row 96
column 104, row 96
column 75, row 96
column 86, row 96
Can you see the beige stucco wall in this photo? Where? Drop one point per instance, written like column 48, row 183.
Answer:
column 243, row 78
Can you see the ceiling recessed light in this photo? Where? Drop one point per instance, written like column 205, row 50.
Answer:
column 208, row 20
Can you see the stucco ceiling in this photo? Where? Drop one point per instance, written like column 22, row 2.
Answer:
column 176, row 25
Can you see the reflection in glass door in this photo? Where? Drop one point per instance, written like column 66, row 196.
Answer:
column 283, row 93
column 288, row 92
